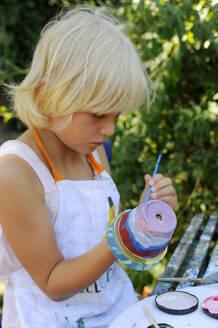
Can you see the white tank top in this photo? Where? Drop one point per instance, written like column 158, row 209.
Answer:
column 80, row 212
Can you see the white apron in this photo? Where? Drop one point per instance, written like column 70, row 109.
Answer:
column 80, row 212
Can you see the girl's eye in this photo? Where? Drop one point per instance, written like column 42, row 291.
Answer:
column 101, row 116
column 98, row 115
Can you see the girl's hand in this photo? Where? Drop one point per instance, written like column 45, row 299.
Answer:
column 161, row 188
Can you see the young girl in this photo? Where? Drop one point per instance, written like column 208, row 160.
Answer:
column 55, row 195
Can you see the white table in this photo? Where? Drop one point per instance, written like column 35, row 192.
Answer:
column 134, row 316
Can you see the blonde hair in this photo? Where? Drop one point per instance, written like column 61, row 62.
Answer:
column 82, row 62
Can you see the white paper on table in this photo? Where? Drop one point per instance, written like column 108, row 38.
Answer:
column 135, row 317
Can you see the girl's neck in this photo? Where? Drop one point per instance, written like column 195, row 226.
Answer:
column 69, row 163
column 56, row 149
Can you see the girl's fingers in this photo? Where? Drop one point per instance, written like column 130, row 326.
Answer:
column 166, row 191
column 162, row 189
column 161, row 183
column 147, row 178
column 155, row 179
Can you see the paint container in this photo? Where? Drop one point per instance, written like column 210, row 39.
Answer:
column 176, row 302
column 162, row 325
column 210, row 306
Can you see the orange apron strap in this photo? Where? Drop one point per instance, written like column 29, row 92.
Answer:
column 95, row 165
column 56, row 175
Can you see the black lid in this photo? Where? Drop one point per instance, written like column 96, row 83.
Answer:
column 161, row 325
column 176, row 302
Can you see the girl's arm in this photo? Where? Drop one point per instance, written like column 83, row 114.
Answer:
column 29, row 230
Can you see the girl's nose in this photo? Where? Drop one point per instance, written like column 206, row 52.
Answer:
column 108, row 128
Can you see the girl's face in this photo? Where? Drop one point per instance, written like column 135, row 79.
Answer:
column 86, row 131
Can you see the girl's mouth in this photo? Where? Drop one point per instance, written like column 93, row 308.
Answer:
column 96, row 144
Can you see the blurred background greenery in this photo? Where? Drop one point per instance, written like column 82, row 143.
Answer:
column 177, row 42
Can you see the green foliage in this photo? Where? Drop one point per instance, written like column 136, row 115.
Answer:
column 180, row 53
column 177, row 43
column 20, row 26
column 21, row 23
column 5, row 114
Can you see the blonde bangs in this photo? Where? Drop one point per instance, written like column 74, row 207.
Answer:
column 83, row 62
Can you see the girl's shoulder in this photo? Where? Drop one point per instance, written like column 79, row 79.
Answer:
column 19, row 163
column 16, row 173
column 21, row 157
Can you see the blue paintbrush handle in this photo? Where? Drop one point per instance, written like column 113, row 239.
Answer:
column 155, row 171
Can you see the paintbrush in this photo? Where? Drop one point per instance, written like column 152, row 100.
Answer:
column 204, row 280
column 150, row 317
column 155, row 171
